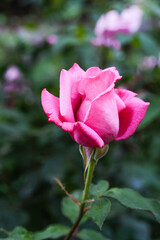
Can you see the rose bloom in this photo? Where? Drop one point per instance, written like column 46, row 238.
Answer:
column 113, row 23
column 91, row 109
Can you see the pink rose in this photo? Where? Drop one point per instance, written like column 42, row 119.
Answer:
column 91, row 109
column 113, row 23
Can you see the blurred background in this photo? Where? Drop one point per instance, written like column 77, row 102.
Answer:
column 37, row 39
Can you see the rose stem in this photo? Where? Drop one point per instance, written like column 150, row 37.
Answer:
column 90, row 171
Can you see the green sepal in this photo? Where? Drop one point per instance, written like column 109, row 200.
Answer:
column 86, row 153
column 100, row 152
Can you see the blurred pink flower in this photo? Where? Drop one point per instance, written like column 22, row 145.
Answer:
column 13, row 80
column 113, row 23
column 12, row 74
column 149, row 62
column 52, row 39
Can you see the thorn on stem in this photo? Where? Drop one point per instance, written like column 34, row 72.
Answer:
column 67, row 193
column 86, row 209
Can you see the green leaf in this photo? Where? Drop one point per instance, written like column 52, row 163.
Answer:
column 20, row 233
column 131, row 199
column 99, row 210
column 71, row 209
column 152, row 113
column 87, row 234
column 52, row 232
column 99, row 189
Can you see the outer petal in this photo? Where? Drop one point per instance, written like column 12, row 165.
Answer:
column 70, row 98
column 132, row 115
column 65, row 96
column 102, row 82
column 50, row 105
column 76, row 70
column 86, row 136
column 125, row 94
column 77, row 75
column 102, row 116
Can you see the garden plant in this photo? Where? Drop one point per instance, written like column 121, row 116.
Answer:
column 91, row 68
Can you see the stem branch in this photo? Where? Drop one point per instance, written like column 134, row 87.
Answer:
column 81, row 212
column 90, row 171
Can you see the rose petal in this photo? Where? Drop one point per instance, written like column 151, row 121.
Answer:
column 125, row 94
column 68, row 127
column 77, row 76
column 104, row 81
column 82, row 111
column 93, row 72
column 77, row 71
column 102, row 116
column 132, row 115
column 50, row 105
column 86, row 136
column 70, row 98
column 120, row 104
column 65, row 96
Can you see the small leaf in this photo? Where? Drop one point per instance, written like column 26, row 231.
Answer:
column 20, row 233
column 87, row 234
column 98, row 190
column 131, row 199
column 99, row 210
column 52, row 232
column 71, row 209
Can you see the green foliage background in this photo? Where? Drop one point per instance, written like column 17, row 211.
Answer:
column 33, row 151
